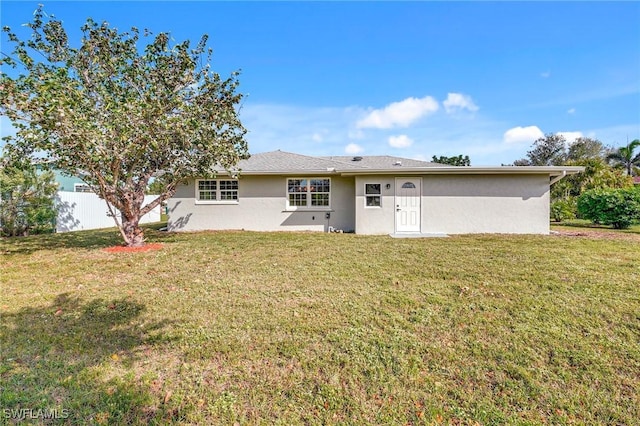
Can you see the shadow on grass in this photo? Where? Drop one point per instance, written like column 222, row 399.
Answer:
column 91, row 239
column 75, row 358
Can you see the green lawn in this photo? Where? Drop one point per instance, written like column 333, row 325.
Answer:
column 311, row 328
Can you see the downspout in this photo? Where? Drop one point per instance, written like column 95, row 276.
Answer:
column 557, row 178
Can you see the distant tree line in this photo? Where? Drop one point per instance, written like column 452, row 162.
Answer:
column 458, row 160
column 604, row 193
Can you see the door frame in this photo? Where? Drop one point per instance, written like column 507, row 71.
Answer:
column 418, row 182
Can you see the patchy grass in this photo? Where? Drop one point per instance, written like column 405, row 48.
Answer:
column 585, row 224
column 307, row 328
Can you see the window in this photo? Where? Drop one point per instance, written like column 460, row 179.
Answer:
column 308, row 193
column 229, row 190
column 372, row 195
column 216, row 191
column 81, row 187
column 408, row 185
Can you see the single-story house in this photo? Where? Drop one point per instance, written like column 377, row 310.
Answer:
column 279, row 190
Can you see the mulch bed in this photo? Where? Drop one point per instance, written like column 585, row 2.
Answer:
column 125, row 249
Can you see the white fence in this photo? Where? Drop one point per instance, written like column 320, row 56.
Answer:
column 83, row 210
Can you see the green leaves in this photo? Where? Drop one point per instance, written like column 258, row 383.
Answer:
column 624, row 157
column 118, row 112
column 26, row 199
column 617, row 207
column 452, row 161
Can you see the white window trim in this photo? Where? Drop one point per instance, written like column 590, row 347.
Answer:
column 218, row 201
column 308, row 208
column 372, row 195
column 77, row 185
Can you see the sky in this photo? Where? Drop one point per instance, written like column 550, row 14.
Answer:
column 409, row 79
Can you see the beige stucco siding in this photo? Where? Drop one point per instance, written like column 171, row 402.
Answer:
column 375, row 220
column 456, row 204
column 262, row 207
column 493, row 204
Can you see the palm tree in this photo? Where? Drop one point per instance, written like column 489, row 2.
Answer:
column 624, row 157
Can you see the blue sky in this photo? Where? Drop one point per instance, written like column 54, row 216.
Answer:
column 412, row 79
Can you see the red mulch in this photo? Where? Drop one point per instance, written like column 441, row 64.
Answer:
column 125, row 249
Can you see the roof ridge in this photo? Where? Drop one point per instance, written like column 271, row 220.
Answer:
column 391, row 158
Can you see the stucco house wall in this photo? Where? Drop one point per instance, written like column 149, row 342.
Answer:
column 261, row 206
column 456, row 204
column 479, row 204
column 375, row 220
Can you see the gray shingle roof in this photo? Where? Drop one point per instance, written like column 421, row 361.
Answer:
column 380, row 162
column 287, row 162
column 281, row 161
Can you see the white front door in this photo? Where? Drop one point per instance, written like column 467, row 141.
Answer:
column 408, row 195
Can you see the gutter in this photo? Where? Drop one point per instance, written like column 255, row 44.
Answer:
column 469, row 170
column 557, row 178
column 553, row 171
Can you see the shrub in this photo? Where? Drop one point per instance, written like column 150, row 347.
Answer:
column 563, row 209
column 617, row 207
column 27, row 203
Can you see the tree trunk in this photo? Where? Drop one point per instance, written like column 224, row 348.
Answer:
column 133, row 234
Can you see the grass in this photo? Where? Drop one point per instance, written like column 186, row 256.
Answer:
column 582, row 223
column 309, row 328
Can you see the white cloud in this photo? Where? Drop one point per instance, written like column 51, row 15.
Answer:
column 545, row 74
column 290, row 128
column 316, row 137
column 353, row 148
column 522, row 135
column 457, row 102
column 399, row 114
column 570, row 136
column 400, row 141
column 571, row 111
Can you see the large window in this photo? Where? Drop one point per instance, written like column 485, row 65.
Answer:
column 372, row 195
column 308, row 193
column 217, row 190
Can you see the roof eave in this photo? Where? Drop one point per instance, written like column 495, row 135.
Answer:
column 281, row 172
column 453, row 170
column 471, row 170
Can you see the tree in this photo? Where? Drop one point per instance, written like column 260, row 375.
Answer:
column 623, row 157
column 592, row 155
column 549, row 150
column 156, row 187
column 26, row 199
column 119, row 115
column 597, row 174
column 585, row 149
column 453, row 161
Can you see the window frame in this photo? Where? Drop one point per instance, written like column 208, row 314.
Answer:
column 218, row 191
column 367, row 196
column 308, row 194
column 86, row 189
